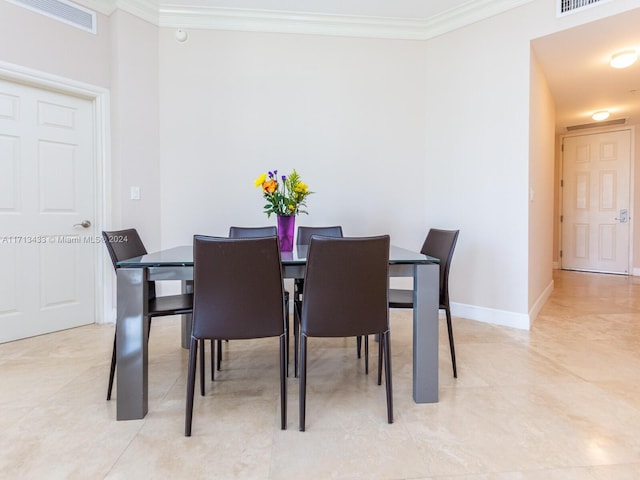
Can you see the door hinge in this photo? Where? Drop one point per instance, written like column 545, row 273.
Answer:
column 561, row 183
column 562, row 148
column 560, row 253
column 561, row 218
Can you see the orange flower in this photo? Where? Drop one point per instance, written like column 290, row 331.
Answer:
column 270, row 186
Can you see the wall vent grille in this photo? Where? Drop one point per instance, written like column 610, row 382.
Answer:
column 64, row 11
column 609, row 123
column 570, row 6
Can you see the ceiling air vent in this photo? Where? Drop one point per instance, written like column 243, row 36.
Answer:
column 619, row 121
column 569, row 6
column 64, row 11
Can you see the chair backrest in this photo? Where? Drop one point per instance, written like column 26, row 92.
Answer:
column 441, row 244
column 304, row 233
column 123, row 244
column 346, row 286
column 237, row 288
column 253, row 232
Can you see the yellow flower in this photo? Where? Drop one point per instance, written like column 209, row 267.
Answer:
column 301, row 187
column 291, row 207
column 260, row 180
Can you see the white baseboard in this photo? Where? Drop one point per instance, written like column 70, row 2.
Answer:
column 542, row 299
column 502, row 317
column 636, row 272
column 492, row 316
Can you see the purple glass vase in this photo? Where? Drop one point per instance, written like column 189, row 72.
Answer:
column 286, row 228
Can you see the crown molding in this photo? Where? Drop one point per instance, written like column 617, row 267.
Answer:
column 468, row 13
column 275, row 21
column 292, row 22
column 146, row 9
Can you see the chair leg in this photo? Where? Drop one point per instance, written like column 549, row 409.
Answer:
column 219, row 356
column 212, row 360
column 297, row 312
column 451, row 346
column 359, row 345
column 112, row 371
column 283, row 381
column 303, row 380
column 286, row 317
column 366, row 354
column 380, row 359
column 387, row 374
column 191, row 378
column 202, row 368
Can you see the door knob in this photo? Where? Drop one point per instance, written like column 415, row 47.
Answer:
column 83, row 224
column 623, row 216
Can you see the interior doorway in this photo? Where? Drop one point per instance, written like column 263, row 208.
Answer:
column 52, row 202
column 596, row 202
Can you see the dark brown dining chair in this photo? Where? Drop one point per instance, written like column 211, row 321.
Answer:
column 250, row 232
column 303, row 238
column 125, row 244
column 345, row 294
column 235, row 307
column 439, row 244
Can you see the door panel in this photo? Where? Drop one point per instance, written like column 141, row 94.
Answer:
column 596, row 199
column 47, row 163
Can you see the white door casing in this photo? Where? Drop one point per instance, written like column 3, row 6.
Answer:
column 50, row 182
column 597, row 202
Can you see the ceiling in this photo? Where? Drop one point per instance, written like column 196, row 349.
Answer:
column 575, row 61
column 576, row 64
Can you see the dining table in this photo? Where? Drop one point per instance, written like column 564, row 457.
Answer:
column 176, row 264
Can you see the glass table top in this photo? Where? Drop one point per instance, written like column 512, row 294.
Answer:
column 183, row 257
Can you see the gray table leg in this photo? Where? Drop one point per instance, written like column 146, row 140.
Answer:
column 425, row 332
column 131, row 344
column 187, row 287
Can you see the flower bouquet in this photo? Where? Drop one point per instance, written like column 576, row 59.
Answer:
column 286, row 197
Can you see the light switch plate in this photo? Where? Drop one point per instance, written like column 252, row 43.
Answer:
column 135, row 193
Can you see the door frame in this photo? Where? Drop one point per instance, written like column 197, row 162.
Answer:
column 632, row 152
column 102, row 181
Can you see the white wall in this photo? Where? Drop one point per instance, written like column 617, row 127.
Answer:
column 477, row 163
column 486, row 146
column 41, row 43
column 394, row 136
column 348, row 114
column 135, row 134
column 541, row 189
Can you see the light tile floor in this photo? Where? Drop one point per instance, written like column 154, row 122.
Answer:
column 561, row 401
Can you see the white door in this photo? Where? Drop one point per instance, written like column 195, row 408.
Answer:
column 47, row 159
column 596, row 202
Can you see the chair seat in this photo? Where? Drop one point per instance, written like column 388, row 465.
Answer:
column 400, row 298
column 171, row 305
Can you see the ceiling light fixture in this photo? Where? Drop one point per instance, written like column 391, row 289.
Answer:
column 600, row 115
column 623, row 59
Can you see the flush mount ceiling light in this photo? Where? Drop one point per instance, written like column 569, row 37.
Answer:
column 623, row 59
column 600, row 115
